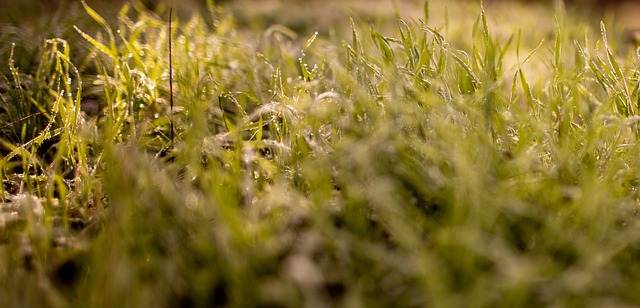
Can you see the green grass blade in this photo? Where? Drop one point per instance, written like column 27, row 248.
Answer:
column 101, row 47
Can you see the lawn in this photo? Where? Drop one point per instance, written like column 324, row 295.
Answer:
column 438, row 154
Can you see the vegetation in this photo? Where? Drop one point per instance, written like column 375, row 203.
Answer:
column 403, row 161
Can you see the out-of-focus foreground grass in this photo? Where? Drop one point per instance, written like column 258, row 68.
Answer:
column 413, row 155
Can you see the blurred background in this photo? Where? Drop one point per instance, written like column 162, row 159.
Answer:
column 24, row 10
column 29, row 22
column 42, row 15
column 35, row 12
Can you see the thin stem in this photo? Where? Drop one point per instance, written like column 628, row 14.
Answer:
column 170, row 77
column 22, row 119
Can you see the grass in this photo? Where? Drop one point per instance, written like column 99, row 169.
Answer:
column 397, row 161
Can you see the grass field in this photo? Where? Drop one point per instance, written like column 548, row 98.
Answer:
column 438, row 155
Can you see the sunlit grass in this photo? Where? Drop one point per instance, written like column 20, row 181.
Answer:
column 405, row 161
